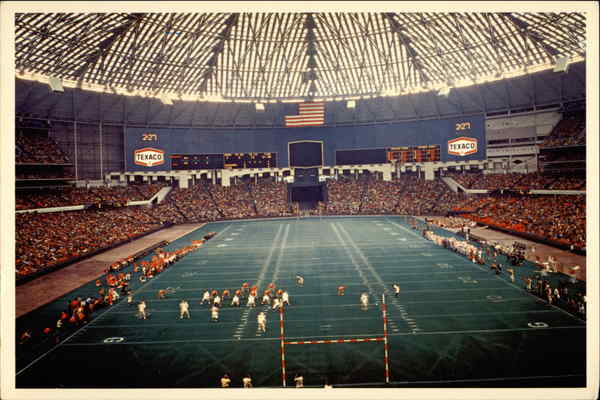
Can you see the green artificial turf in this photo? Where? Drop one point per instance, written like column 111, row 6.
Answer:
column 455, row 324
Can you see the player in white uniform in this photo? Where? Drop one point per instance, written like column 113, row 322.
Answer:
column 142, row 309
column 396, row 289
column 214, row 314
column 364, row 300
column 247, row 381
column 285, row 298
column 299, row 280
column 299, row 379
column 205, row 298
column 184, row 309
column 276, row 303
column 217, row 301
column 266, row 299
column 262, row 322
column 251, row 301
column 235, row 301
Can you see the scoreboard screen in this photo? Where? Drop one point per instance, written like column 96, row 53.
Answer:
column 406, row 154
column 221, row 161
column 250, row 160
column 361, row 156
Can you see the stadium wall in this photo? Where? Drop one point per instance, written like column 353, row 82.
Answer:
column 197, row 141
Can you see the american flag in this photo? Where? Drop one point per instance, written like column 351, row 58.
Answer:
column 308, row 114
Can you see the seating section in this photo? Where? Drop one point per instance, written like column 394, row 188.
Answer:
column 569, row 131
column 38, row 149
column 558, row 218
column 26, row 200
column 517, row 181
column 46, row 239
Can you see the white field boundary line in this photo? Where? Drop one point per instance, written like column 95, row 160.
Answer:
column 521, row 290
column 479, row 331
column 104, row 313
column 508, row 378
column 245, row 314
column 192, row 324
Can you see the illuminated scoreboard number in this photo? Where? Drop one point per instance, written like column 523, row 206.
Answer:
column 196, row 161
column 249, row 160
column 149, row 137
column 462, row 126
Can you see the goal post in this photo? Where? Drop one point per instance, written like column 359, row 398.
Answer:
column 383, row 339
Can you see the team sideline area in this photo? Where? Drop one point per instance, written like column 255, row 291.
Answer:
column 453, row 324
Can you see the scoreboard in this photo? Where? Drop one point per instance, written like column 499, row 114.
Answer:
column 223, row 160
column 406, row 154
column 444, row 140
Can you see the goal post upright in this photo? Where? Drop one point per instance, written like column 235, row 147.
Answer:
column 282, row 337
column 385, row 339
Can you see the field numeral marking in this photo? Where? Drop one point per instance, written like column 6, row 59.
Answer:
column 467, row 279
column 537, row 325
column 495, row 299
column 444, row 266
column 114, row 339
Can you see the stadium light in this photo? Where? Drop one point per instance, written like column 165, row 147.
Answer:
column 166, row 100
column 351, row 104
column 55, row 84
column 444, row 92
column 561, row 64
column 260, row 107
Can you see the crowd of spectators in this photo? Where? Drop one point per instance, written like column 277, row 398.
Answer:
column 568, row 183
column 37, row 175
column 569, row 131
column 32, row 199
column 558, row 218
column 38, row 149
column 344, row 196
column 422, row 197
column 517, row 181
column 194, row 204
column 270, row 198
column 477, row 180
column 453, row 223
column 45, row 240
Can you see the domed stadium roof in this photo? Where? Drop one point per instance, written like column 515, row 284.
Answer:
column 266, row 56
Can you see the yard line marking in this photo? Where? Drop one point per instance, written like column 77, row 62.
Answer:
column 334, row 336
column 366, row 262
column 281, row 253
column 265, row 266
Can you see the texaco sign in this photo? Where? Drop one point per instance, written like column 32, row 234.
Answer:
column 462, row 146
column 148, row 157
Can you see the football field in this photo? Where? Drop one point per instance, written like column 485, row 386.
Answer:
column 454, row 324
